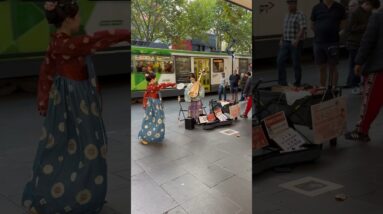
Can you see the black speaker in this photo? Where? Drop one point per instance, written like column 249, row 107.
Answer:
column 189, row 123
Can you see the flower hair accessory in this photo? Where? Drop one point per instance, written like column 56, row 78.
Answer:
column 50, row 5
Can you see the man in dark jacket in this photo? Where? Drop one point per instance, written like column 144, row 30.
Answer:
column 357, row 25
column 328, row 19
column 369, row 62
column 248, row 94
column 242, row 84
column 234, row 81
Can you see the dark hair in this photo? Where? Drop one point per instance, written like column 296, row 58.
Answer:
column 64, row 9
column 192, row 75
column 149, row 76
column 374, row 3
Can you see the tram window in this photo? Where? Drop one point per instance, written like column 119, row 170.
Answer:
column 164, row 65
column 243, row 65
column 143, row 63
column 218, row 66
column 183, row 69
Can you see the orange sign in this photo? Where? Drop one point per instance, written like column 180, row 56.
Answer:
column 259, row 138
column 234, row 111
column 276, row 123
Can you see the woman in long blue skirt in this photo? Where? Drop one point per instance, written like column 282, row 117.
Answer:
column 153, row 126
column 70, row 170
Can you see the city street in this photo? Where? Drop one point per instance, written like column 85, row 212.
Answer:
column 193, row 171
column 356, row 167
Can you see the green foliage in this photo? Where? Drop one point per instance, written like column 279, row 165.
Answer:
column 171, row 21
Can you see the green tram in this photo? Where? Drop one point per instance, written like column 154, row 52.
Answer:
column 176, row 66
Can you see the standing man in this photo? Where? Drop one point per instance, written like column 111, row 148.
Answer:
column 370, row 56
column 234, row 81
column 328, row 19
column 357, row 25
column 291, row 43
column 222, row 87
column 242, row 84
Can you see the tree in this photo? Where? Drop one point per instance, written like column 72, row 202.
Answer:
column 171, row 21
column 233, row 25
column 151, row 17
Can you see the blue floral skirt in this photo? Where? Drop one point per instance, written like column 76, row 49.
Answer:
column 153, row 127
column 69, row 170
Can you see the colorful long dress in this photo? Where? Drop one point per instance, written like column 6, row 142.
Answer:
column 70, row 170
column 153, row 126
column 195, row 106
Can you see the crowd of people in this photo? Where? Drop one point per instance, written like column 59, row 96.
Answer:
column 361, row 24
column 237, row 84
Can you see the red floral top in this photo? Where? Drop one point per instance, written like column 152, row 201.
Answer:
column 153, row 89
column 66, row 56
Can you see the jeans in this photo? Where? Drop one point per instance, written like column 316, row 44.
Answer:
column 285, row 50
column 234, row 93
column 221, row 90
column 352, row 80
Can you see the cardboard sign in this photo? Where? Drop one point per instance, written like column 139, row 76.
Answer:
column 329, row 119
column 278, row 129
column 259, row 138
column 276, row 123
column 203, row 119
column 235, row 111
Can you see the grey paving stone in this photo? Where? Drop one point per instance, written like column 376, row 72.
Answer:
column 148, row 197
column 184, row 188
column 206, row 203
column 238, row 190
column 9, row 207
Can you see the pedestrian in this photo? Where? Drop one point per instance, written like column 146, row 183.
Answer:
column 248, row 94
column 234, row 82
column 291, row 43
column 195, row 107
column 69, row 170
column 369, row 64
column 328, row 20
column 153, row 126
column 242, row 84
column 357, row 24
column 222, row 87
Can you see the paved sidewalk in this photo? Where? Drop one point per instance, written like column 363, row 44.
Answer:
column 194, row 171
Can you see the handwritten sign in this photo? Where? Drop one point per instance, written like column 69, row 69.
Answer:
column 279, row 130
column 329, row 119
column 276, row 123
column 234, row 111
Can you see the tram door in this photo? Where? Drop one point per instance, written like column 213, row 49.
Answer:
column 199, row 65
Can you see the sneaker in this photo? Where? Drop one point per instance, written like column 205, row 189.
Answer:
column 243, row 116
column 357, row 136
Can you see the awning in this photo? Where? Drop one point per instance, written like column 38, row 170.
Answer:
column 243, row 3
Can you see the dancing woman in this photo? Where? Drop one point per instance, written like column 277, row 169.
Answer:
column 153, row 127
column 69, row 170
